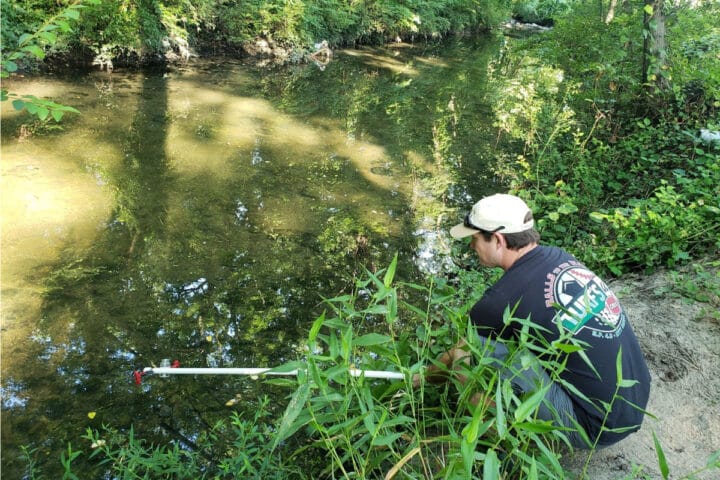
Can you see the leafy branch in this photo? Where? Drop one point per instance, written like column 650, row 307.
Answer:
column 31, row 46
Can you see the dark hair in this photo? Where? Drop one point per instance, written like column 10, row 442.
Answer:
column 516, row 241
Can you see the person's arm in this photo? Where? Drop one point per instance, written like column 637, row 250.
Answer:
column 450, row 360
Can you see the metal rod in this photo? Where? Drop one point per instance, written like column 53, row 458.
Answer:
column 263, row 371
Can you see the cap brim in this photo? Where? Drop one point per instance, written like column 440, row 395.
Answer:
column 461, row 231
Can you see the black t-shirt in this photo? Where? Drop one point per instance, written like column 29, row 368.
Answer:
column 549, row 286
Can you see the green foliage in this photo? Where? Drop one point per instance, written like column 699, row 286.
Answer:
column 694, row 65
column 336, row 23
column 236, row 448
column 602, row 59
column 145, row 29
column 366, row 428
column 700, row 282
column 38, row 106
column 31, row 46
column 618, row 176
column 339, row 425
column 66, row 462
column 667, row 226
column 12, row 20
column 279, row 21
column 536, row 11
column 32, row 471
column 527, row 108
column 251, row 455
column 129, row 457
column 148, row 29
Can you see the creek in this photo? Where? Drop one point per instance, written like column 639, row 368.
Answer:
column 201, row 213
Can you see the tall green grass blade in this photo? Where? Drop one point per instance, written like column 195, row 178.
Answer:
column 618, row 366
column 288, row 425
column 527, row 407
column 390, row 273
column 549, row 457
column 333, row 346
column 371, row 339
column 500, row 420
column 315, row 329
column 566, row 347
column 491, row 466
column 346, row 339
column 662, row 462
column 472, row 430
column 533, row 471
column 386, row 440
column 377, row 309
column 535, row 427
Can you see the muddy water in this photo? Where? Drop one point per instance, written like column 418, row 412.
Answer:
column 199, row 213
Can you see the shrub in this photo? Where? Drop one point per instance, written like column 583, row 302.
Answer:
column 367, row 428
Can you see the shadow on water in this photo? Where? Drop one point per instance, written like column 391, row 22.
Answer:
column 95, row 305
column 235, row 200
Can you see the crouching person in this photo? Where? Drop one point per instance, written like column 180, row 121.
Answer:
column 562, row 298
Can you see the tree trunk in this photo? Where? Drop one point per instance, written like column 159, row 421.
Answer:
column 611, row 11
column 655, row 44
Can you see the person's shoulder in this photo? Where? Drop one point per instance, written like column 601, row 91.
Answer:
column 553, row 252
column 553, row 249
column 548, row 252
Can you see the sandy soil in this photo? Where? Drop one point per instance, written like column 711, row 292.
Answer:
column 681, row 342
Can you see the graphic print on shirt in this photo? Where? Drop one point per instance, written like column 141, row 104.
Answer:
column 583, row 301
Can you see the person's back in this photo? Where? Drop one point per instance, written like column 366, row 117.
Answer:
column 561, row 295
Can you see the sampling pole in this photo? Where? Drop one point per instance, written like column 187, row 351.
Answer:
column 262, row 371
column 165, row 370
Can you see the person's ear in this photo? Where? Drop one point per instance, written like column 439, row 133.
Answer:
column 500, row 240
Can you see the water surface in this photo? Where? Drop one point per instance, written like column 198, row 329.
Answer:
column 201, row 212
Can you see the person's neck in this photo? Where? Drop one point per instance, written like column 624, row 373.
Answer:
column 512, row 256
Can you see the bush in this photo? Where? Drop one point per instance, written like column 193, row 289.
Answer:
column 368, row 428
column 540, row 11
column 616, row 173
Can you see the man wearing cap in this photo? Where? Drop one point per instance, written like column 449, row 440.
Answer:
column 561, row 296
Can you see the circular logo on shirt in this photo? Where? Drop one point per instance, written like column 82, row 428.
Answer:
column 584, row 301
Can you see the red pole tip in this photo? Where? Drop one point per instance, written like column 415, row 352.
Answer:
column 175, row 364
column 138, row 377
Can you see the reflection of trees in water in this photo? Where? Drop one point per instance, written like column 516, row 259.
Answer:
column 95, row 312
column 152, row 289
column 143, row 180
column 198, row 267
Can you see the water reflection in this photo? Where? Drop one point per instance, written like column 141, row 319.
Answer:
column 201, row 213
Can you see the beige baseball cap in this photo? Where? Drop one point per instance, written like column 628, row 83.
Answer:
column 497, row 213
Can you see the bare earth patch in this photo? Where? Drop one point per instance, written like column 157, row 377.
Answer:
column 681, row 342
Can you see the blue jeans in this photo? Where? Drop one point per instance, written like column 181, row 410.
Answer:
column 556, row 406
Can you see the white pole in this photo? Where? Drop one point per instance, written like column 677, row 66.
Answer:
column 263, row 371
